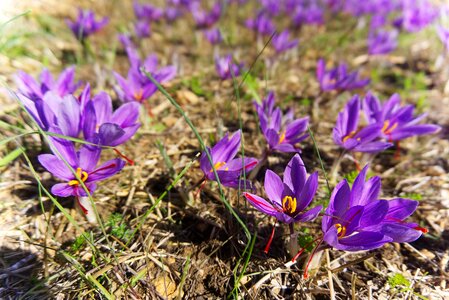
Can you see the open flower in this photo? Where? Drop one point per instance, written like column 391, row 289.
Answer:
column 338, row 78
column 226, row 69
column 347, row 134
column 288, row 198
column 33, row 89
column 281, row 132
column 357, row 220
column 147, row 12
column 213, row 35
column 108, row 128
column 86, row 24
column 229, row 169
column 382, row 41
column 137, row 87
column 54, row 113
column 261, row 24
column 84, row 163
column 202, row 18
column 397, row 121
column 282, row 42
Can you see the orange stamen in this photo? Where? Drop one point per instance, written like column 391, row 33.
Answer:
column 349, row 136
column 282, row 137
column 81, row 175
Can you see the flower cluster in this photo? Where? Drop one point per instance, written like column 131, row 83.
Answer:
column 386, row 123
column 356, row 219
column 56, row 109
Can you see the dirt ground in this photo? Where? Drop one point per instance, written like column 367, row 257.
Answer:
column 189, row 246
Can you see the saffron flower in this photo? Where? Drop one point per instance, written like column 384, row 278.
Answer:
column 417, row 14
column 289, row 197
column 142, row 29
column 213, row 35
column 225, row 68
column 382, row 41
column 106, row 127
column 262, row 25
column 85, row 24
column 338, row 78
column 84, row 163
column 357, row 220
column 347, row 134
column 147, row 12
column 282, row 42
column 202, row 18
column 55, row 114
column 229, row 169
column 397, row 121
column 64, row 85
column 137, row 87
column 281, row 132
column 310, row 13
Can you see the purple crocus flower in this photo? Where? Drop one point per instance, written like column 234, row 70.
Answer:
column 213, row 35
column 202, row 18
column 33, row 89
column 282, row 42
column 271, row 7
column 55, row 114
column 347, row 134
column 142, row 28
column 382, row 41
column 262, row 25
column 85, row 24
column 225, row 68
column 172, row 13
column 137, row 87
column 108, row 128
column 338, row 78
column 417, row 14
column 443, row 34
column 147, row 12
column 311, row 13
column 357, row 220
column 281, row 132
column 288, row 198
column 84, row 163
column 229, row 169
column 397, row 122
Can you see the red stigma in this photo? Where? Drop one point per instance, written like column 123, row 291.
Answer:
column 201, row 187
column 82, row 207
column 423, row 230
column 128, row 160
column 270, row 240
column 104, row 168
column 251, row 164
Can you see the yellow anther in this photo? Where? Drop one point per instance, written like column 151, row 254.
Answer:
column 341, row 230
column 218, row 166
column 386, row 129
column 80, row 174
column 349, row 136
column 289, row 204
column 282, row 137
